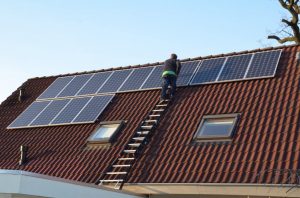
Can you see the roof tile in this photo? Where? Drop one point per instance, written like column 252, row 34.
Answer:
column 267, row 136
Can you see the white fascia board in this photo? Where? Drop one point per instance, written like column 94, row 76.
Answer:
column 26, row 183
column 220, row 189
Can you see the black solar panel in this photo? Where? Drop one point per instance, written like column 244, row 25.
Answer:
column 55, row 87
column 235, row 67
column 154, row 80
column 25, row 118
column 264, row 64
column 136, row 79
column 115, row 81
column 95, row 83
column 58, row 112
column 186, row 73
column 208, row 71
column 93, row 109
column 71, row 111
column 49, row 112
column 75, row 85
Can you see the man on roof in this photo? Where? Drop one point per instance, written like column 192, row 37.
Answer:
column 170, row 73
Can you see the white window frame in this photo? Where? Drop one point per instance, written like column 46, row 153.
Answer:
column 235, row 118
column 93, row 140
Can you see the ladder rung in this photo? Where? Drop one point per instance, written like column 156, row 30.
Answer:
column 142, row 132
column 138, row 138
column 110, row 180
column 151, row 121
column 129, row 151
column 134, row 144
column 154, row 115
column 147, row 127
column 116, row 173
column 158, row 110
column 161, row 105
column 125, row 158
column 166, row 100
column 121, row 165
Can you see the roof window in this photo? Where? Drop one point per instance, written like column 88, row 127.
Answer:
column 216, row 127
column 105, row 132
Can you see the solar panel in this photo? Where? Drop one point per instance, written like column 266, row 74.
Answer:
column 55, row 87
column 186, row 72
column 154, row 80
column 136, row 79
column 26, row 117
column 49, row 112
column 75, row 85
column 235, row 67
column 264, row 64
column 95, row 83
column 93, row 109
column 115, row 81
column 70, row 111
column 208, row 71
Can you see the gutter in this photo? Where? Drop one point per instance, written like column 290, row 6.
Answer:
column 216, row 189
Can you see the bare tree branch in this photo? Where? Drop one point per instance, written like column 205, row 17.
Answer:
column 287, row 22
column 284, row 40
column 294, row 35
column 283, row 4
column 286, row 32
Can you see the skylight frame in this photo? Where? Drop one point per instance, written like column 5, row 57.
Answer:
column 92, row 140
column 198, row 137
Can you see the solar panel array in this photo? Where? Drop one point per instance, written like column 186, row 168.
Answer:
column 82, row 98
column 239, row 67
column 61, row 112
column 115, row 81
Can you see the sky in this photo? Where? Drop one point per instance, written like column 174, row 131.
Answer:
column 51, row 37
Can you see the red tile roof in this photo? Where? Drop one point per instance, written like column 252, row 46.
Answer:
column 267, row 136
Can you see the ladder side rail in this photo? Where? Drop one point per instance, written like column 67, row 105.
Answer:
column 148, row 115
column 138, row 150
column 137, row 155
column 141, row 147
column 103, row 174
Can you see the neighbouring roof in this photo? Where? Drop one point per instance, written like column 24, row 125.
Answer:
column 26, row 184
column 267, row 136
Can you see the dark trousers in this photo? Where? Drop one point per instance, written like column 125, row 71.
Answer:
column 166, row 82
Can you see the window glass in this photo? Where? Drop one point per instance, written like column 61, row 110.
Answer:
column 105, row 131
column 216, row 126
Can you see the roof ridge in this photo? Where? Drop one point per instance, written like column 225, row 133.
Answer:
column 159, row 63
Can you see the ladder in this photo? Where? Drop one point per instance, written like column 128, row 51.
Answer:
column 116, row 174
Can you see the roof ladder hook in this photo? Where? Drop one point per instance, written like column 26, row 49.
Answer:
column 21, row 95
column 298, row 58
column 23, row 157
column 116, row 186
